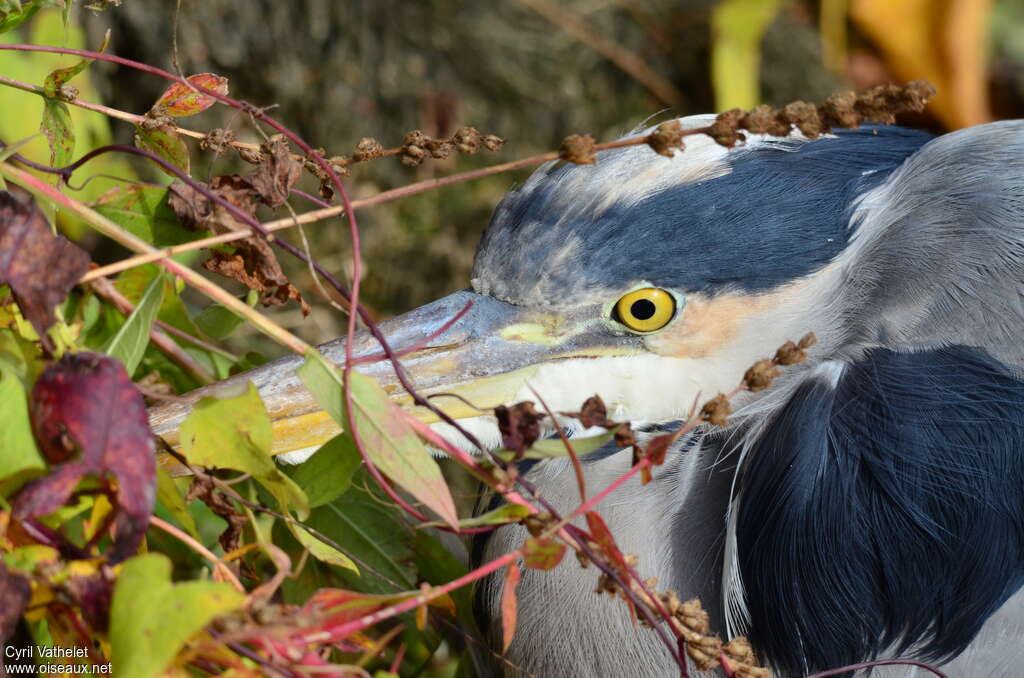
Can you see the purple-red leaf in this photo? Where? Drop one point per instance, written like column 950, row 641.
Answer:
column 509, row 605
column 86, row 405
column 15, row 593
column 181, row 100
column 40, row 267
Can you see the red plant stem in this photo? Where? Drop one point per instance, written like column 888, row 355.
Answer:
column 616, row 484
column 581, row 482
column 879, row 662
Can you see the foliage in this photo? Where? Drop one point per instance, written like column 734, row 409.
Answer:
column 203, row 555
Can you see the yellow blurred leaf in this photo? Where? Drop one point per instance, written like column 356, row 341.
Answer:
column 737, row 27
column 943, row 42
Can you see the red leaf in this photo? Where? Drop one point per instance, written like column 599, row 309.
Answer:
column 543, row 554
column 40, row 267
column 87, row 404
column 181, row 100
column 15, row 593
column 509, row 605
column 603, row 536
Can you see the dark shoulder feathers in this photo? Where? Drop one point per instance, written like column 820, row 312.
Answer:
column 886, row 512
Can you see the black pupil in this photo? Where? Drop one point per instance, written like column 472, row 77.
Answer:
column 642, row 309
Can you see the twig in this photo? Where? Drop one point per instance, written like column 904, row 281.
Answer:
column 200, row 549
column 132, row 242
column 627, row 61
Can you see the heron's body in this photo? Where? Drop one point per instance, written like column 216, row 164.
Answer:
column 871, row 503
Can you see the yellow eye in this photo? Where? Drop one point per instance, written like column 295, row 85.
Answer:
column 645, row 310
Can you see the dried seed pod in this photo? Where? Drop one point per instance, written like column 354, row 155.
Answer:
column 808, row 340
column 725, row 129
column 217, row 140
column 667, row 138
column 760, row 375
column 789, row 354
column 252, row 156
column 717, row 410
column 492, row 143
column 578, row 149
column 368, row 148
column 467, row 140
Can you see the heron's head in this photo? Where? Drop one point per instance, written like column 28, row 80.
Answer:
column 647, row 280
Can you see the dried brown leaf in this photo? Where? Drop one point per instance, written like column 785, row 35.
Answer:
column 519, row 425
column 40, row 267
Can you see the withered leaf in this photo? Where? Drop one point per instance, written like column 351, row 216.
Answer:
column 277, row 173
column 40, row 267
column 86, row 405
column 593, row 413
column 519, row 425
column 253, row 263
column 15, row 593
column 204, row 489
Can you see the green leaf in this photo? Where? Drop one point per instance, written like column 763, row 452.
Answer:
column 60, row 135
column 389, row 441
column 327, row 474
column 21, row 458
column 506, row 513
column 151, row 618
column 228, row 431
column 129, row 343
column 164, row 142
column 374, row 533
column 143, row 210
column 322, row 551
column 167, row 493
column 14, row 14
column 217, row 321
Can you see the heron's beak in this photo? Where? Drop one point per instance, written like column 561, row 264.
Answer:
column 483, row 360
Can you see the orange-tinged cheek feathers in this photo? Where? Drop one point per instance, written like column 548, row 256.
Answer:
column 708, row 324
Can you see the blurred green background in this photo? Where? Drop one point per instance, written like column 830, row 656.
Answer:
column 530, row 71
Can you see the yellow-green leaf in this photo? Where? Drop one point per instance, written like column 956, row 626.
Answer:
column 59, row 132
column 168, row 494
column 322, row 551
column 233, row 431
column 129, row 344
column 506, row 513
column 164, row 142
column 21, row 458
column 143, row 210
column 737, row 27
column 151, row 618
column 389, row 441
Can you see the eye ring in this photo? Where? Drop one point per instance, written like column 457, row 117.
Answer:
column 645, row 310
